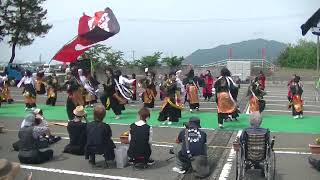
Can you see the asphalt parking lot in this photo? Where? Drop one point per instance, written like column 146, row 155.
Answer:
column 291, row 148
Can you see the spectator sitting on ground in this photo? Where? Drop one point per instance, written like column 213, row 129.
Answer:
column 43, row 141
column 140, row 139
column 99, row 137
column 41, row 121
column 77, row 132
column 315, row 162
column 29, row 135
column 193, row 152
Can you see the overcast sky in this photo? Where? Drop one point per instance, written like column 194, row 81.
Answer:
column 174, row 27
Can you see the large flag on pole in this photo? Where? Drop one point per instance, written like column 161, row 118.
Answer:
column 91, row 30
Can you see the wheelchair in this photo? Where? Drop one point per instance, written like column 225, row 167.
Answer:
column 255, row 151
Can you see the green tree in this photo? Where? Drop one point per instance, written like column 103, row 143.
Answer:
column 173, row 62
column 101, row 56
column 150, row 61
column 114, row 59
column 22, row 21
column 302, row 55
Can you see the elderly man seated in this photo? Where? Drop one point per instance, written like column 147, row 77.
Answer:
column 29, row 135
column 99, row 137
column 255, row 123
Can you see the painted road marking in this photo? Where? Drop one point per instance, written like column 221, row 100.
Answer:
column 284, row 105
column 285, row 97
column 228, row 165
column 78, row 173
column 292, row 152
column 274, row 110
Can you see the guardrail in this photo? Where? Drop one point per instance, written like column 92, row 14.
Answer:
column 264, row 63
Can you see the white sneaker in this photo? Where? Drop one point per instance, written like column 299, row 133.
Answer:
column 169, row 123
column 164, row 122
column 296, row 117
column 26, row 109
column 117, row 117
column 221, row 126
column 190, row 110
column 178, row 170
column 301, row 116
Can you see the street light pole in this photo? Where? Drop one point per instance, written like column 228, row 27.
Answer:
column 318, row 53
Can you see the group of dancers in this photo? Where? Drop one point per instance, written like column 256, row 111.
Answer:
column 118, row 90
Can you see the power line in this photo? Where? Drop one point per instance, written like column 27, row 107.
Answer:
column 201, row 20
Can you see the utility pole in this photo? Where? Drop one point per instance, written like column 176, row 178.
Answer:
column 318, row 53
column 133, row 55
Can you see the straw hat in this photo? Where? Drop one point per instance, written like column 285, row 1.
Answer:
column 8, row 170
column 79, row 111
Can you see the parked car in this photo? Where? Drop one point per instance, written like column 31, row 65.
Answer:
column 14, row 72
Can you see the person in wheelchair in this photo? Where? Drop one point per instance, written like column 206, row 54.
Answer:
column 140, row 139
column 254, row 141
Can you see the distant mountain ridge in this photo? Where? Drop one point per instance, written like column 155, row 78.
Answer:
column 250, row 49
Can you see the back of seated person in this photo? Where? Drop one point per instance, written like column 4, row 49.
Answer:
column 99, row 137
column 77, row 132
column 29, row 135
column 140, row 138
column 255, row 123
column 193, row 152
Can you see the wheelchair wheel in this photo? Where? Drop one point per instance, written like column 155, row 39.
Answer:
column 240, row 166
column 271, row 166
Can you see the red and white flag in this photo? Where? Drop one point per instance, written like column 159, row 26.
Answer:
column 91, row 30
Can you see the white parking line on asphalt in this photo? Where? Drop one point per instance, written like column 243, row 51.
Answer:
column 274, row 110
column 228, row 165
column 118, row 142
column 78, row 173
column 276, row 100
column 292, row 152
column 267, row 96
column 285, row 105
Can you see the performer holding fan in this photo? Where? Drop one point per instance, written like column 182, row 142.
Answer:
column 110, row 97
column 172, row 105
column 150, row 92
column 256, row 93
column 296, row 100
column 29, row 91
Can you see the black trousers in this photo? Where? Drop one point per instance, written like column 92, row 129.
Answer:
column 114, row 104
column 295, row 113
column 186, row 162
column 33, row 105
column 40, row 158
column 223, row 116
column 207, row 95
column 51, row 101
